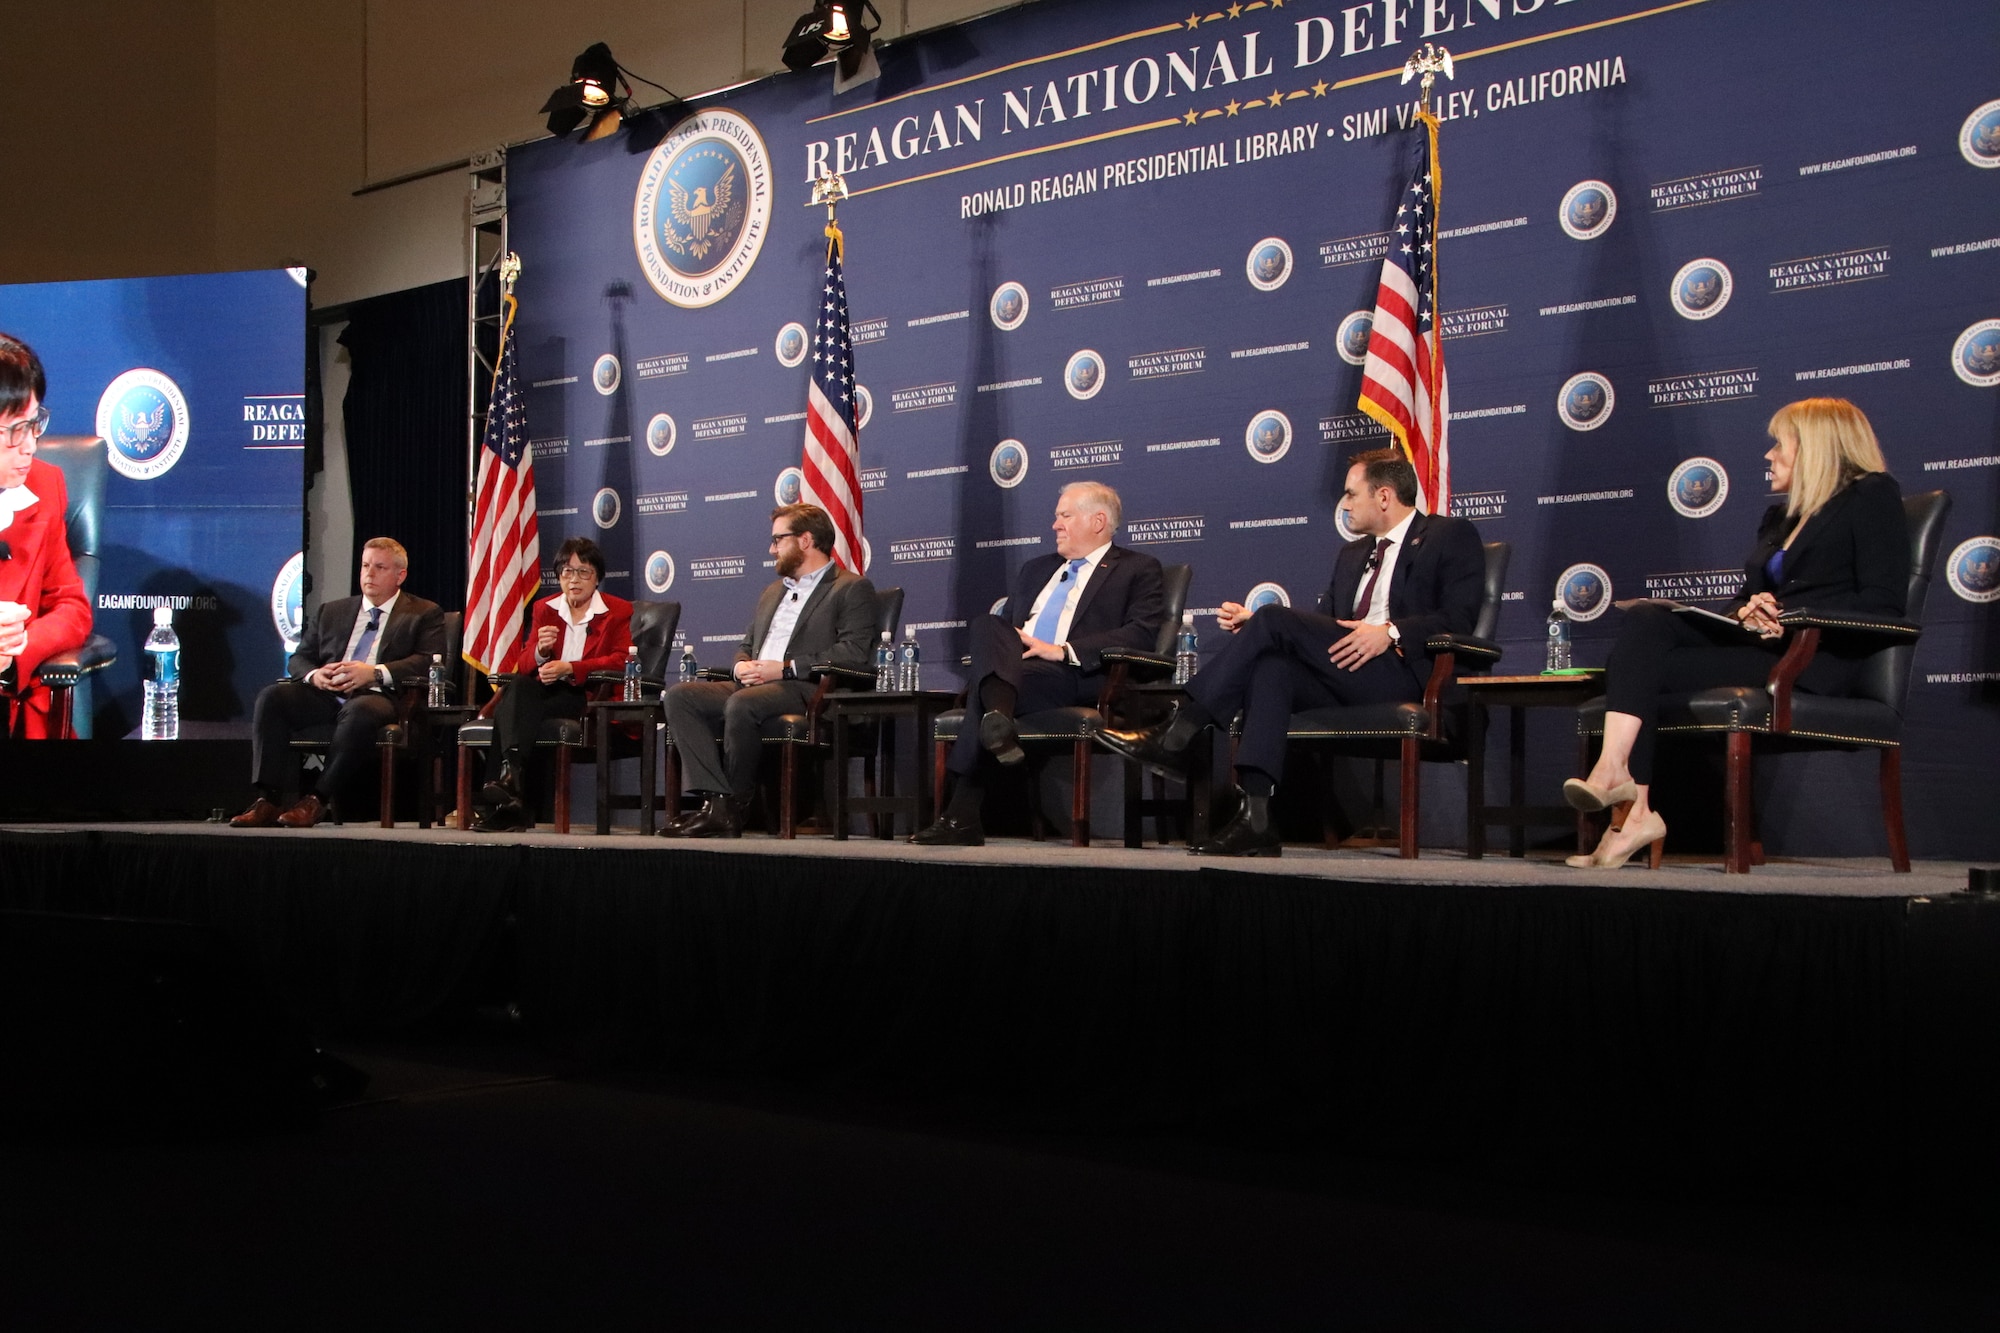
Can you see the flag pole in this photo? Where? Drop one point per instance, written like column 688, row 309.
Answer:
column 1429, row 62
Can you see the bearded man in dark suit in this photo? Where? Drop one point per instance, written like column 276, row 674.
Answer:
column 1405, row 577
column 351, row 660
column 816, row 612
column 1066, row 609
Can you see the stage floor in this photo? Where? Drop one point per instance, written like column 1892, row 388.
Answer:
column 1866, row 877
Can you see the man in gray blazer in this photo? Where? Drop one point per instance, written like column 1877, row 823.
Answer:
column 350, row 660
column 816, row 612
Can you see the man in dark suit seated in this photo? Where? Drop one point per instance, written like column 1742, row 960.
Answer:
column 350, row 661
column 816, row 612
column 1066, row 609
column 1406, row 577
column 43, row 611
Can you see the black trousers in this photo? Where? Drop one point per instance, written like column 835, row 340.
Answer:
column 522, row 708
column 288, row 708
column 1658, row 652
column 1277, row 665
column 1038, row 684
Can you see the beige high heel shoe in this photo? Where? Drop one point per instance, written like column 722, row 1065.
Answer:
column 1582, row 796
column 1653, row 838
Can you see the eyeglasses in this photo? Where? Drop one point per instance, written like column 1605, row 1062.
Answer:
column 576, row 572
column 777, row 537
column 20, row 433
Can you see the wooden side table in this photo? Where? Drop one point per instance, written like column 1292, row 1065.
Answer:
column 885, row 708
column 1518, row 694
column 648, row 713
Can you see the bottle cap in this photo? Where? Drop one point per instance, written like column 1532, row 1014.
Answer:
column 163, row 615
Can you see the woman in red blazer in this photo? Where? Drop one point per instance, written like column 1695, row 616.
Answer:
column 42, row 607
column 578, row 631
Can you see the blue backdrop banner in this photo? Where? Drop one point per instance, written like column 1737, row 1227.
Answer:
column 1123, row 241
column 197, row 385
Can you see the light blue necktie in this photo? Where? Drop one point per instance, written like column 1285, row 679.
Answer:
column 1052, row 609
column 366, row 643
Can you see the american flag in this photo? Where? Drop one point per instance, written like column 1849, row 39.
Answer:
column 506, row 546
column 832, row 462
column 1403, row 384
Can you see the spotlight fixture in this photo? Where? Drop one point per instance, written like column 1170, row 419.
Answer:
column 593, row 88
column 837, row 28
column 598, row 91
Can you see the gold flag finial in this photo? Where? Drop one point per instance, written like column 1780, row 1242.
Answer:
column 829, row 189
column 1431, row 61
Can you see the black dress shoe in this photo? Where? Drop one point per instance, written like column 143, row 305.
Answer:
column 1162, row 747
column 1241, row 837
column 504, row 789
column 719, row 817
column 950, row 832
column 999, row 739
column 505, row 817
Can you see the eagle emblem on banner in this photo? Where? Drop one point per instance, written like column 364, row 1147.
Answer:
column 698, row 215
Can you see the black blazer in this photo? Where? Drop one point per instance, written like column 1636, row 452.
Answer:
column 837, row 624
column 409, row 638
column 1853, row 555
column 1436, row 587
column 1122, row 605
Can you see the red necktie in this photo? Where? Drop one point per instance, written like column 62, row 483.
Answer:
column 1367, row 598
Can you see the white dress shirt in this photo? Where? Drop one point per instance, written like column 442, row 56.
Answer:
column 574, row 631
column 375, row 648
column 1378, row 606
column 786, row 618
column 1073, row 590
column 12, row 501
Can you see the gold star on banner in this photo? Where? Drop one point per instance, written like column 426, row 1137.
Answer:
column 1190, row 118
column 1233, row 106
column 1319, row 89
column 1193, row 21
column 1236, row 11
column 1275, row 99
column 1277, row 4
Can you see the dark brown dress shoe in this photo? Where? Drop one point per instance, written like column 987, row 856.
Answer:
column 309, row 811
column 1241, row 836
column 1161, row 747
column 998, row 737
column 719, row 817
column 950, row 832
column 261, row 814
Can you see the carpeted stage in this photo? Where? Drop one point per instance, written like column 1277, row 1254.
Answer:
column 1825, row 1025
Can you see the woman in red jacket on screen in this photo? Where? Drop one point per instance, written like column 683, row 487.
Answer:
column 42, row 607
column 1836, row 540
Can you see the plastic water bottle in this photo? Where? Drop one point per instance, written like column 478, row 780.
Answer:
column 688, row 668
column 909, row 662
column 1187, row 660
column 435, row 682
column 1559, row 653
column 632, row 674
column 885, row 664
column 162, row 718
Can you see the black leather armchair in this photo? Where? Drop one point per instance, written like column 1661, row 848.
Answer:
column 415, row 730
column 793, row 732
column 1077, row 726
column 68, row 675
column 1429, row 729
column 1870, row 717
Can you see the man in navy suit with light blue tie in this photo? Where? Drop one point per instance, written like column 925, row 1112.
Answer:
column 1066, row 609
column 1406, row 576
column 349, row 662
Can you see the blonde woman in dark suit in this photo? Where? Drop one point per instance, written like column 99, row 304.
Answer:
column 1837, row 540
